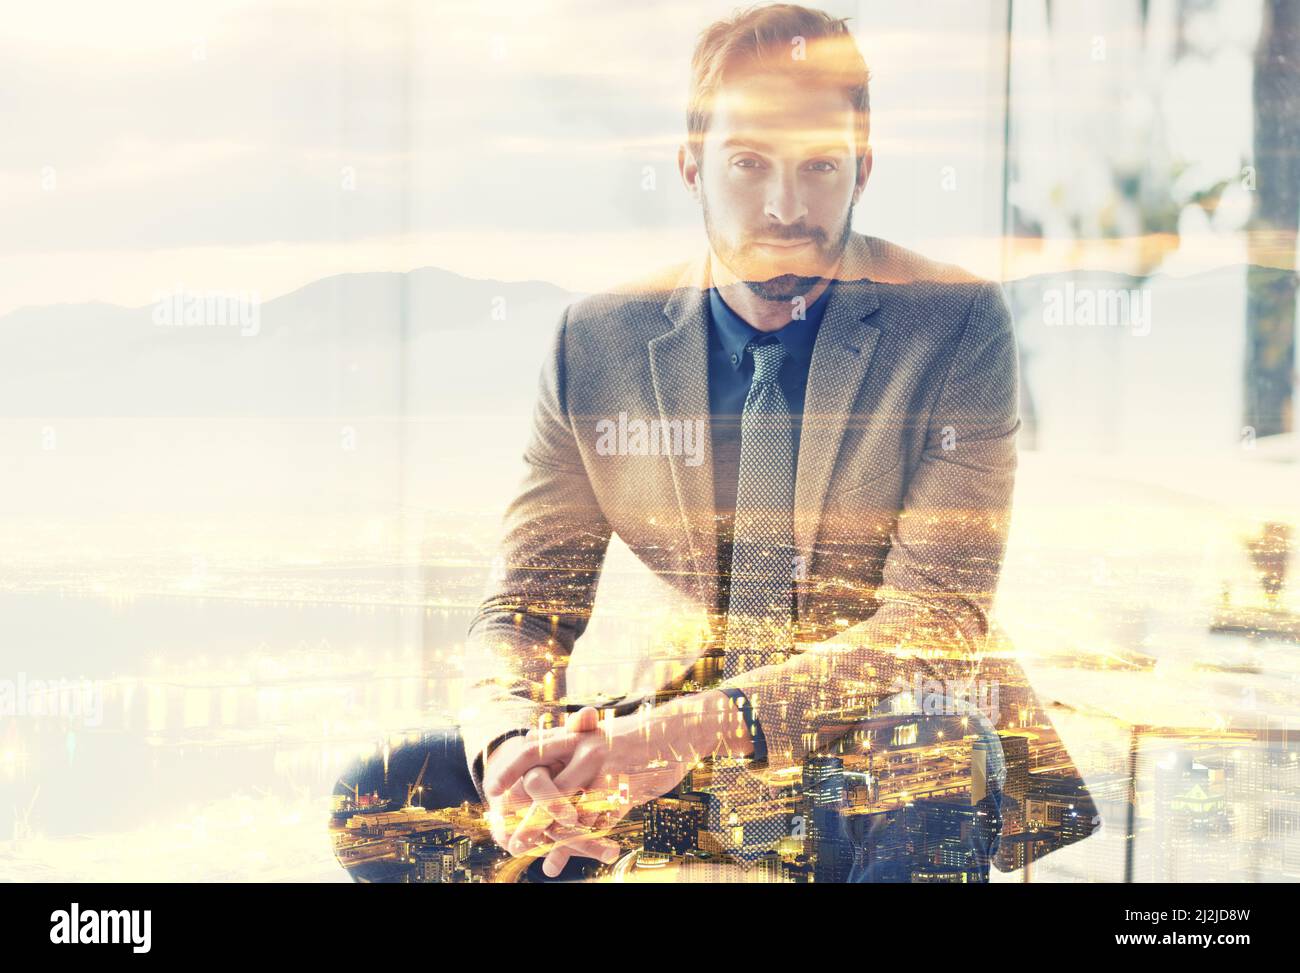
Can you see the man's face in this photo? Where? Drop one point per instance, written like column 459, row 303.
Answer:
column 778, row 180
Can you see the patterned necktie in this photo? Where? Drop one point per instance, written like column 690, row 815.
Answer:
column 759, row 615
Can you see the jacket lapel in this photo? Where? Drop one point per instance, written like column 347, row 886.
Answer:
column 679, row 369
column 841, row 357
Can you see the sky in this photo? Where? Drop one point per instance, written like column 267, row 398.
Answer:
column 257, row 146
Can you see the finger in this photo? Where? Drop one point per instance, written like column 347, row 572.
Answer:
column 515, row 804
column 531, row 828
column 510, row 810
column 588, row 816
column 501, row 834
column 547, row 805
column 540, row 785
column 583, row 721
column 508, row 764
column 585, row 843
column 555, row 861
column 580, row 772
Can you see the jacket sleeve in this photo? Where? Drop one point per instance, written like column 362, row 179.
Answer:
column 543, row 584
column 945, row 555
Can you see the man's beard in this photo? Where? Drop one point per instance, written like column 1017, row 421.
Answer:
column 784, row 287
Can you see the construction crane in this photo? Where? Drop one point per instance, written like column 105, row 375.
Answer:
column 414, row 786
column 23, row 821
column 355, row 789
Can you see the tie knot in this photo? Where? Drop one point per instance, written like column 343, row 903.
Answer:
column 767, row 361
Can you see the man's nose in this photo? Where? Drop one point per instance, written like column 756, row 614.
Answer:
column 784, row 202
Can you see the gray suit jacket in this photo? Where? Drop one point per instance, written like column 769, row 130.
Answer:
column 904, row 480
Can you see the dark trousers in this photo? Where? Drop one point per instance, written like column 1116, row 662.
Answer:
column 948, row 832
column 446, row 783
column 928, row 840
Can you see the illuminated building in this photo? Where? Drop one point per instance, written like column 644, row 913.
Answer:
column 1191, row 820
column 1262, row 789
column 1015, row 752
column 436, row 863
column 827, row 841
column 672, row 824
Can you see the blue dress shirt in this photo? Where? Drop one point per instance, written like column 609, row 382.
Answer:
column 730, row 373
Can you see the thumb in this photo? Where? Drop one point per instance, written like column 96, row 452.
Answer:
column 583, row 721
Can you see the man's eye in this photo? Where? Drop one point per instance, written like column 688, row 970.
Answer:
column 824, row 166
column 747, row 163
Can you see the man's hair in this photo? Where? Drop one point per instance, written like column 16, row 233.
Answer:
column 811, row 46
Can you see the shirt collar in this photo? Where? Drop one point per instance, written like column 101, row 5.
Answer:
column 735, row 333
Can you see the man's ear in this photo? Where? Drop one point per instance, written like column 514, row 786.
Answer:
column 689, row 169
column 864, row 173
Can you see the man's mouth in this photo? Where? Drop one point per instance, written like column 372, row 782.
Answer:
column 783, row 245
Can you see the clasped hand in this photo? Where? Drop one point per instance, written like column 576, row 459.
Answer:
column 565, row 789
